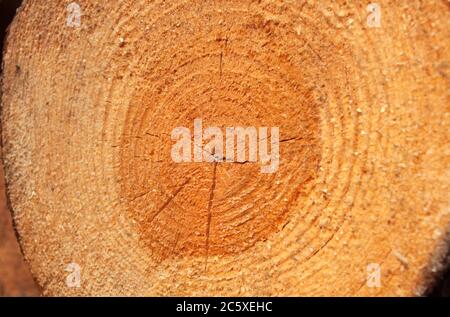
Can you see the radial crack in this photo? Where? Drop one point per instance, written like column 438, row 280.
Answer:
column 220, row 64
column 210, row 202
column 172, row 196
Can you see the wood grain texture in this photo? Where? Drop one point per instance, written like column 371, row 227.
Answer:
column 364, row 120
column 15, row 278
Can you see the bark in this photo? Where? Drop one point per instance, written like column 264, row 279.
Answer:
column 15, row 277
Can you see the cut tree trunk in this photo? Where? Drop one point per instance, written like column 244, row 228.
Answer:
column 359, row 204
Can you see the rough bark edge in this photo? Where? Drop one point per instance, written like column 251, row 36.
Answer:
column 7, row 194
column 434, row 274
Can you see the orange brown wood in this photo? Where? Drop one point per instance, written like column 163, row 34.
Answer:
column 364, row 122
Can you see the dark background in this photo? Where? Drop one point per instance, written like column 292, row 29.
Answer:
column 15, row 279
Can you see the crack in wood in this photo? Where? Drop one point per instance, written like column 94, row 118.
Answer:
column 172, row 196
column 210, row 202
